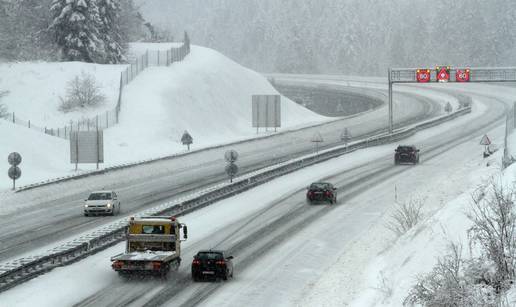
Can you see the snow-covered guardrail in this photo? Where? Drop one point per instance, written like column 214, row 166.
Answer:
column 17, row 271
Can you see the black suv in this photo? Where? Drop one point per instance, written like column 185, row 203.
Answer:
column 214, row 264
column 321, row 191
column 406, row 154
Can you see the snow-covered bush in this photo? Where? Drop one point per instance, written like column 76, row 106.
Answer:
column 494, row 231
column 453, row 282
column 81, row 92
column 483, row 280
column 405, row 216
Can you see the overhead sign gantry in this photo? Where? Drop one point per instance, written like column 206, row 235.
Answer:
column 444, row 74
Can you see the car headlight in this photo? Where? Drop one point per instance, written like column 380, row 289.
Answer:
column 85, row 206
column 109, row 205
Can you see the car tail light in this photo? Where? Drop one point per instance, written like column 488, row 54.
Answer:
column 220, row 262
column 310, row 193
column 196, row 262
column 328, row 193
column 156, row 265
column 117, row 264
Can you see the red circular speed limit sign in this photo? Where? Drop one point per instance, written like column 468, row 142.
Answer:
column 423, row 75
column 462, row 75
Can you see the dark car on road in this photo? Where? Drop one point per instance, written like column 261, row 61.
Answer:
column 212, row 264
column 406, row 154
column 321, row 192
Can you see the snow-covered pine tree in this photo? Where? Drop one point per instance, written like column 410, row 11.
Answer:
column 110, row 31
column 76, row 27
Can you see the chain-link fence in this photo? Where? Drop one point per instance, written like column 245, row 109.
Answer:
column 509, row 148
column 111, row 117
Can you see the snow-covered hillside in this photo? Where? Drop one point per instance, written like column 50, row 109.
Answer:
column 207, row 94
column 34, row 89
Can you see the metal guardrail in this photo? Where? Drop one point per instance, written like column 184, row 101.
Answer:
column 18, row 271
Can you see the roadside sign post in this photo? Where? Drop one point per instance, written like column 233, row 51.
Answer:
column 346, row 137
column 317, row 138
column 448, row 107
column 14, row 171
column 87, row 147
column 231, row 170
column 486, row 142
column 187, row 139
column 231, row 157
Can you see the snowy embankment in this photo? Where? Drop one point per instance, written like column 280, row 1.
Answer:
column 207, row 94
column 387, row 278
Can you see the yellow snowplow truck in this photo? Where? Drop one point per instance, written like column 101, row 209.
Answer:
column 153, row 246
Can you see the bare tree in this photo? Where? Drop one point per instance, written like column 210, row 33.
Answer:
column 453, row 282
column 82, row 91
column 406, row 216
column 494, row 230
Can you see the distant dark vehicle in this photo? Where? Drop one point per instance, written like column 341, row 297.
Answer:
column 321, row 192
column 213, row 264
column 406, row 154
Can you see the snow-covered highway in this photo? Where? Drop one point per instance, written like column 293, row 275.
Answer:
column 283, row 247
column 40, row 217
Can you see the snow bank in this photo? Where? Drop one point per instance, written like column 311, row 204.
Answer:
column 34, row 89
column 392, row 274
column 43, row 156
column 207, row 94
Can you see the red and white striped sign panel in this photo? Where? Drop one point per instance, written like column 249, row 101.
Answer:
column 423, row 75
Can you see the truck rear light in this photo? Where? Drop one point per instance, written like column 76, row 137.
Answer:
column 117, row 264
column 220, row 262
column 196, row 262
column 156, row 265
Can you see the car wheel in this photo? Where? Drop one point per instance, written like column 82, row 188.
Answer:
column 86, row 214
column 225, row 277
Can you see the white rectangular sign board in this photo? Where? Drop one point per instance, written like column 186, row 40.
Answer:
column 266, row 111
column 87, row 147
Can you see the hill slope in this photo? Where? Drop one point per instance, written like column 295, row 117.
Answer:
column 207, row 94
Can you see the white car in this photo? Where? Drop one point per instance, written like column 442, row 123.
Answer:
column 102, row 202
